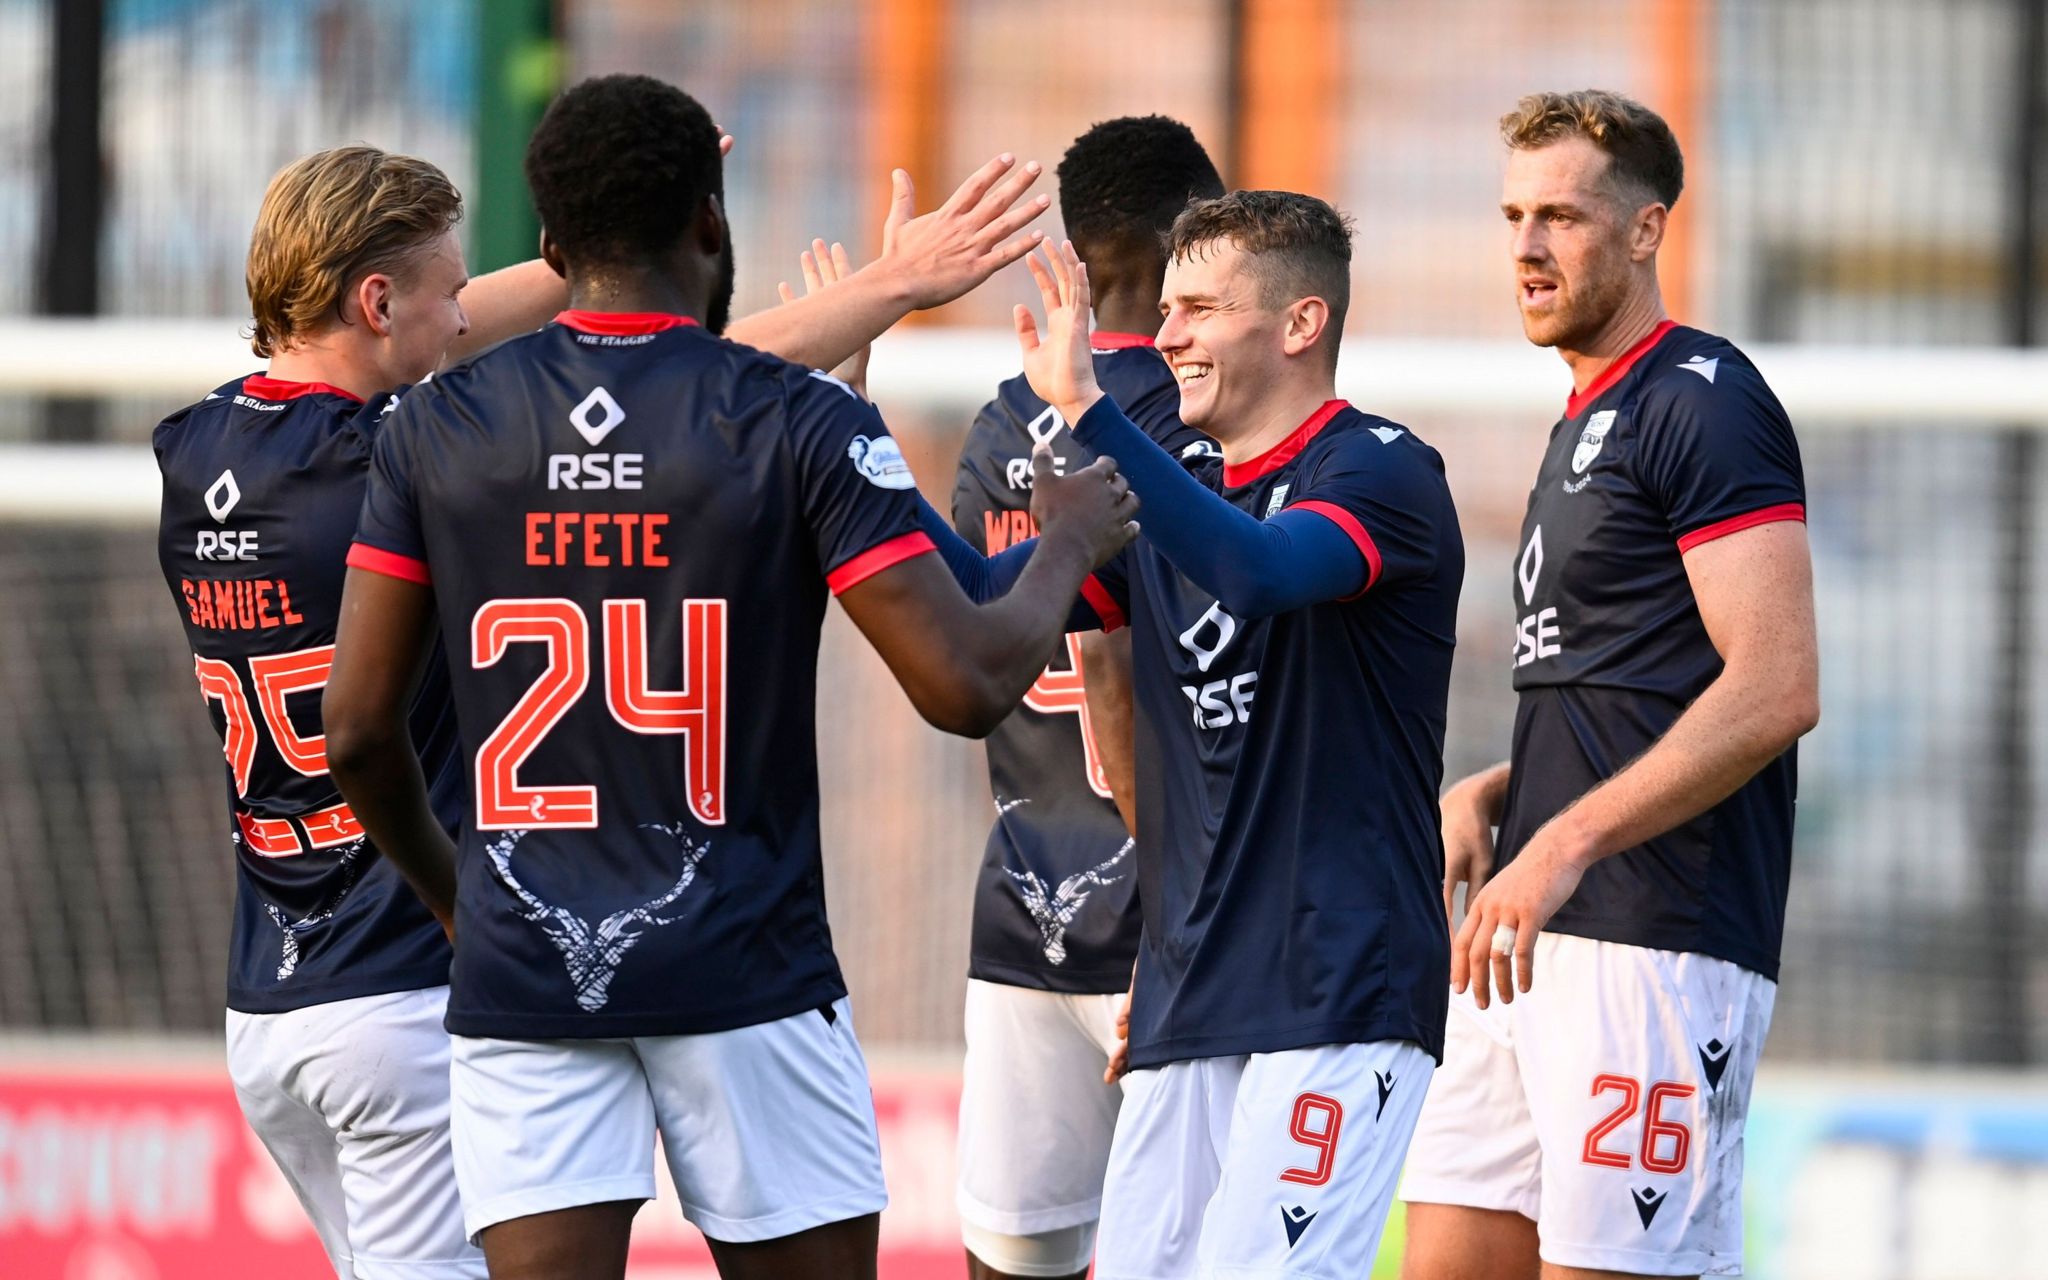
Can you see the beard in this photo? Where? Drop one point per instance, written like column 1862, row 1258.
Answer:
column 719, row 312
column 1584, row 310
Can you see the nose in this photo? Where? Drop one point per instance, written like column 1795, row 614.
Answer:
column 1527, row 243
column 1173, row 332
column 462, row 318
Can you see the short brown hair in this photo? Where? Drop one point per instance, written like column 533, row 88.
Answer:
column 1643, row 158
column 1297, row 246
column 327, row 221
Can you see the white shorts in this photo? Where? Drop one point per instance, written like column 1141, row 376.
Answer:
column 351, row 1099
column 1606, row 1104
column 1035, row 1117
column 769, row 1130
column 1276, row 1164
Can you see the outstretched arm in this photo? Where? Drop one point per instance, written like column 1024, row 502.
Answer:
column 1254, row 568
column 386, row 630
column 991, row 653
column 926, row 261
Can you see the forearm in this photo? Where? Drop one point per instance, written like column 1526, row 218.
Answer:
column 1488, row 791
column 824, row 328
column 1254, row 568
column 1720, row 742
column 503, row 304
column 1106, row 685
column 379, row 775
column 1012, row 637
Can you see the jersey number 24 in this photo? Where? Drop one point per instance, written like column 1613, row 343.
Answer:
column 697, row 710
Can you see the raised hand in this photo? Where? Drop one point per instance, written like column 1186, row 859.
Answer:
column 823, row 268
column 943, row 254
column 1092, row 508
column 1059, row 366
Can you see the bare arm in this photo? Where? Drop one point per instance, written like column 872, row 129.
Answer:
column 926, row 261
column 1471, row 809
column 1106, row 684
column 1755, row 594
column 386, row 630
column 503, row 304
column 988, row 655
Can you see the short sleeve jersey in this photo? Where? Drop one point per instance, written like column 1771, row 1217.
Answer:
column 1293, row 893
column 631, row 527
column 262, row 481
column 1055, row 906
column 1678, row 444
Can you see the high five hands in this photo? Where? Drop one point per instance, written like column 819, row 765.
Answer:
column 1060, row 365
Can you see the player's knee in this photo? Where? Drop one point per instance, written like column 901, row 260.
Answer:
column 1039, row 1256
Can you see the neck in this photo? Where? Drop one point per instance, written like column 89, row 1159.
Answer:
column 636, row 289
column 1277, row 417
column 1631, row 323
column 1128, row 307
column 332, row 359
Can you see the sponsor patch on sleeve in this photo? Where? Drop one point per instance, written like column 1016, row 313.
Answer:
column 880, row 461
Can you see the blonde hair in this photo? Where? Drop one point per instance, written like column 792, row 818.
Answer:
column 327, row 221
column 1643, row 155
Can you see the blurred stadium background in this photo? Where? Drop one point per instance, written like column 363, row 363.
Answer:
column 1865, row 208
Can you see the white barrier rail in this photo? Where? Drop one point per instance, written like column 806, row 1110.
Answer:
column 1868, row 387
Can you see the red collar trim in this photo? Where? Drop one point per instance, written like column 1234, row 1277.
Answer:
column 263, row 387
column 1104, row 340
column 1242, row 473
column 621, row 324
column 1578, row 400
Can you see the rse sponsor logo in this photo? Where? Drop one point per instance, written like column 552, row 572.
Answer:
column 594, row 418
column 595, row 470
column 1017, row 471
column 880, row 462
column 1536, row 634
column 1227, row 700
column 226, row 544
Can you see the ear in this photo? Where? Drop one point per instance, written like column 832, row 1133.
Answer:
column 372, row 299
column 1646, row 233
column 711, row 227
column 551, row 253
column 1306, row 321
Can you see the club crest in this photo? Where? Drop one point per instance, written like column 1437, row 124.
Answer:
column 1590, row 439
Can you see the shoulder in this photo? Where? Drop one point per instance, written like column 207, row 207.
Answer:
column 1698, row 375
column 1012, row 405
column 1132, row 370
column 1358, row 441
column 214, row 402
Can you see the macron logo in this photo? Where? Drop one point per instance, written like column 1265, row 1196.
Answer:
column 1388, row 435
column 1703, row 367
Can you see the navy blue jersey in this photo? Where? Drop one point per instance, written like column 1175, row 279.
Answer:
column 1679, row 443
column 630, row 526
column 1055, row 906
column 1291, row 874
column 262, row 483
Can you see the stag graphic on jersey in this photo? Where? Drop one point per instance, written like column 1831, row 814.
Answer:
column 1055, row 909
column 593, row 955
column 288, row 956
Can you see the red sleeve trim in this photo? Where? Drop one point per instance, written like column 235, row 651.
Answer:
column 882, row 555
column 1736, row 524
column 1102, row 602
column 362, row 555
column 1352, row 529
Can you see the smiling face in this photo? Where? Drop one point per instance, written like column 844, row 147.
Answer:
column 1580, row 246
column 1225, row 345
column 424, row 309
